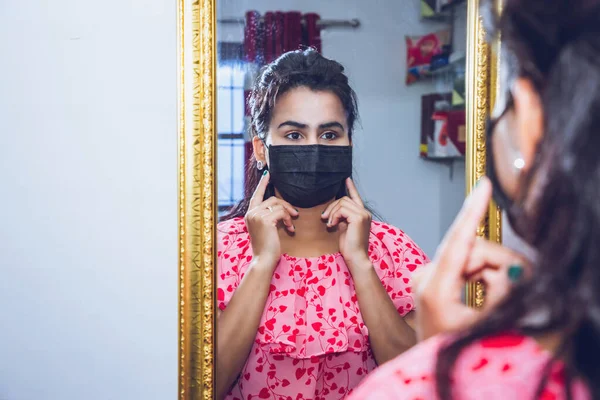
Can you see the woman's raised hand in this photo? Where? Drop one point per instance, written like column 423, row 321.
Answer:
column 354, row 221
column 463, row 257
column 263, row 220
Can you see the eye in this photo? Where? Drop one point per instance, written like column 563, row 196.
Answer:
column 294, row 136
column 329, row 135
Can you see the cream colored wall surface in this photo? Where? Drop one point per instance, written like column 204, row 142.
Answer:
column 88, row 205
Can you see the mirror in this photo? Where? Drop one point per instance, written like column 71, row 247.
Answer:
column 422, row 75
column 406, row 63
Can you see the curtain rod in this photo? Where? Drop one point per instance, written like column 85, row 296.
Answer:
column 323, row 23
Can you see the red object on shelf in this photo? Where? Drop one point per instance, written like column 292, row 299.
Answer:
column 457, row 129
column 449, row 134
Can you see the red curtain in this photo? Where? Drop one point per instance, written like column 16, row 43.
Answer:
column 268, row 37
column 277, row 32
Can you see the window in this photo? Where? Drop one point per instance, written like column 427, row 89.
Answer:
column 231, row 137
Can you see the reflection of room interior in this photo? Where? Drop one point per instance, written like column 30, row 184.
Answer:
column 409, row 146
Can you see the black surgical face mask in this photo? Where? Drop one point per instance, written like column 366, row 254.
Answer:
column 498, row 193
column 309, row 175
column 501, row 198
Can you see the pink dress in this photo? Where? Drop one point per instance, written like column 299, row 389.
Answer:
column 312, row 342
column 500, row 367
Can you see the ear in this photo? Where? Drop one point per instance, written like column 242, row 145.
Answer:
column 529, row 118
column 259, row 150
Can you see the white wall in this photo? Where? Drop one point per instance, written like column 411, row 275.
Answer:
column 418, row 196
column 88, row 211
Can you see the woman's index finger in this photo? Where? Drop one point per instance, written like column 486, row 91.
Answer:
column 259, row 193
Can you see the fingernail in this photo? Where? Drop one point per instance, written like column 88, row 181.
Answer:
column 264, row 173
column 296, row 210
column 515, row 273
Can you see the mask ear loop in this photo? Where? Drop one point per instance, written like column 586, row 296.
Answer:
column 262, row 139
column 505, row 202
column 270, row 191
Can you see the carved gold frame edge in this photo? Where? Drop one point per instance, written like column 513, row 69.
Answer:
column 482, row 88
column 197, row 189
column 196, row 20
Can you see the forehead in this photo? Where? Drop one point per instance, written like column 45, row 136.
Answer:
column 302, row 104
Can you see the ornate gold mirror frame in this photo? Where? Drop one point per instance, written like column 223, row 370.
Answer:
column 197, row 175
column 482, row 89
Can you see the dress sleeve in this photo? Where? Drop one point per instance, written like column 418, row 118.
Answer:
column 395, row 257
column 233, row 258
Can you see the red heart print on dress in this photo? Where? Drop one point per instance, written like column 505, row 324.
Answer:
column 270, row 324
column 482, row 363
column 300, row 373
column 502, row 341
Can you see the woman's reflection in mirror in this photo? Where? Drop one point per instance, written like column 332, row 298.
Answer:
column 312, row 293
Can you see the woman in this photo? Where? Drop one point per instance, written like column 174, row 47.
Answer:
column 312, row 293
column 539, row 338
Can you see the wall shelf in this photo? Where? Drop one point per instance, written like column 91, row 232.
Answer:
column 453, row 4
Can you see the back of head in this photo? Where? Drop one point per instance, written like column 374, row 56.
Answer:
column 556, row 45
column 300, row 68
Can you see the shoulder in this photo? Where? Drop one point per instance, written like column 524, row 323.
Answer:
column 233, row 257
column 232, row 238
column 234, row 226
column 387, row 240
column 394, row 238
column 395, row 258
column 498, row 367
column 231, row 230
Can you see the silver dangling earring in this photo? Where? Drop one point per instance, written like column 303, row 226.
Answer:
column 260, row 165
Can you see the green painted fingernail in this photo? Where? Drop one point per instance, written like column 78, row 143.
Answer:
column 264, row 173
column 515, row 273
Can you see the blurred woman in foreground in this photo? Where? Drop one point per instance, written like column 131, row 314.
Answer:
column 539, row 336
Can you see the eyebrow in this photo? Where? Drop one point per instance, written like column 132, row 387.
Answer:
column 304, row 126
column 332, row 125
column 293, row 124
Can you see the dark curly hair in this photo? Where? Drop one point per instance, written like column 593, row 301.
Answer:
column 300, row 68
column 555, row 44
